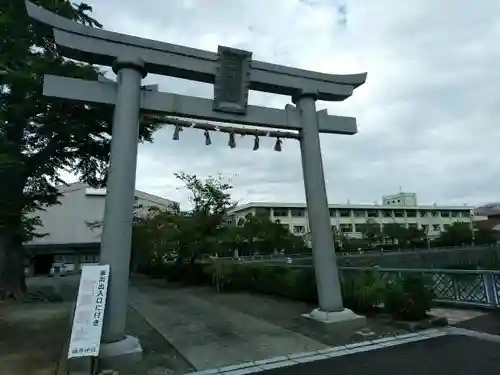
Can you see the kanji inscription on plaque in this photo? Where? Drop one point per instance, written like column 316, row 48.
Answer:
column 231, row 80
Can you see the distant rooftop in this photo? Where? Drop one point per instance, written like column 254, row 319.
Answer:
column 402, row 200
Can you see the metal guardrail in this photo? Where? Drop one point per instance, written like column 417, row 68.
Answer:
column 466, row 288
column 474, row 288
column 355, row 253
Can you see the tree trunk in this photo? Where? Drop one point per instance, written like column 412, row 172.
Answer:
column 12, row 278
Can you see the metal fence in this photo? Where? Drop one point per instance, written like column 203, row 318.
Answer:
column 376, row 252
column 474, row 288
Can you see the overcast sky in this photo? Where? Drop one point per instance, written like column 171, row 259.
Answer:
column 428, row 115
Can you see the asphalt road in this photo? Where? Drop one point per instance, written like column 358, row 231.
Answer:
column 453, row 355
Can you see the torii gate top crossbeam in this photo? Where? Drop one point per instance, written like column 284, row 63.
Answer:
column 102, row 47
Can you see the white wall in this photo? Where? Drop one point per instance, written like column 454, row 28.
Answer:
column 67, row 223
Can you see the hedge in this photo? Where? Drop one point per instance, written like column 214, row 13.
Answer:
column 404, row 298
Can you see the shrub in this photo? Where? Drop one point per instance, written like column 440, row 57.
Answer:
column 305, row 285
column 220, row 273
column 408, row 298
column 294, row 283
column 364, row 294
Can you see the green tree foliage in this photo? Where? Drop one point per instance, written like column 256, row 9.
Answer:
column 161, row 235
column 415, row 236
column 457, row 234
column 39, row 136
column 263, row 236
column 340, row 240
column 372, row 232
column 206, row 229
column 211, row 200
column 394, row 233
column 484, row 236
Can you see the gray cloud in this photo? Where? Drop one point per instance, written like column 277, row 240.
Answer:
column 427, row 116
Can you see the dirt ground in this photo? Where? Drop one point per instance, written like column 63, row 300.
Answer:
column 32, row 336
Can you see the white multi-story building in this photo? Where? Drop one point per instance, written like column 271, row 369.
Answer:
column 400, row 208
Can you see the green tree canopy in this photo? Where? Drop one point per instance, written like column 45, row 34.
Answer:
column 206, row 230
column 456, row 234
column 40, row 136
column 372, row 232
column 394, row 233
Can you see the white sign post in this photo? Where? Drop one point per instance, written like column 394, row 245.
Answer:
column 89, row 312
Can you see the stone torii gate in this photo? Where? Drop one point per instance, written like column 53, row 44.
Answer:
column 233, row 73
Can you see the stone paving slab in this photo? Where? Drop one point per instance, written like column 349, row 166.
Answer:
column 211, row 336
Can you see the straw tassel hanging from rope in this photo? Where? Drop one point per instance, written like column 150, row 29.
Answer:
column 232, row 141
column 256, row 143
column 208, row 141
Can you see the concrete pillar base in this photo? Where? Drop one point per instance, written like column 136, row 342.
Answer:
column 120, row 354
column 343, row 320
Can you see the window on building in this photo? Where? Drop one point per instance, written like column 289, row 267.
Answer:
column 386, row 213
column 299, row 229
column 346, row 228
column 399, row 213
column 436, row 227
column 424, row 213
column 411, row 213
column 297, row 212
column 262, row 211
column 372, row 213
column 345, row 213
column 280, row 212
column 359, row 213
column 455, row 213
column 334, row 229
column 88, row 258
column 425, row 227
column 333, row 212
column 445, row 214
column 434, row 213
column 465, row 214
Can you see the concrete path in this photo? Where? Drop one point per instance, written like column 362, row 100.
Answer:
column 212, row 336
